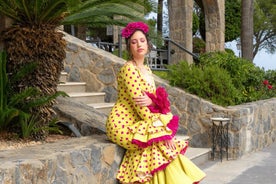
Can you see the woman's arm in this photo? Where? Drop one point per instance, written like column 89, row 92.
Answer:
column 133, row 87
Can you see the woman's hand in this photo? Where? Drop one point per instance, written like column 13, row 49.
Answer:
column 170, row 144
column 143, row 100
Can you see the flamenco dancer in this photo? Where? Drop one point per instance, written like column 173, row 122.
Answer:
column 142, row 123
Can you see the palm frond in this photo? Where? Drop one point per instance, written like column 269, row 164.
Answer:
column 103, row 13
column 44, row 100
column 9, row 8
column 7, row 115
column 35, row 12
column 20, row 99
column 92, row 11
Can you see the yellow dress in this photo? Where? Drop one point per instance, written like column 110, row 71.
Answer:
column 142, row 133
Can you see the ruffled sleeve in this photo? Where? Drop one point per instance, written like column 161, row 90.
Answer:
column 163, row 124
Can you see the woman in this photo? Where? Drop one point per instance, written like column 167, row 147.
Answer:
column 141, row 122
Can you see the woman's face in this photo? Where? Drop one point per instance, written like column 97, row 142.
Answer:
column 138, row 44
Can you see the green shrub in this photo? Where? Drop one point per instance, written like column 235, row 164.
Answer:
column 246, row 77
column 224, row 79
column 124, row 54
column 161, row 73
column 205, row 83
column 198, row 45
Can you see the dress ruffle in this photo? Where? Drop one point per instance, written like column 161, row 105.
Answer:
column 145, row 133
column 163, row 126
column 147, row 161
column 160, row 100
column 180, row 171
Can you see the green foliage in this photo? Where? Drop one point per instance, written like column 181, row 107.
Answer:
column 161, row 73
column 7, row 112
column 232, row 19
column 35, row 12
column 244, row 74
column 28, row 125
column 102, row 12
column 268, row 7
column 230, row 51
column 195, row 23
column 124, row 54
column 264, row 26
column 198, row 45
column 67, row 12
column 206, row 83
column 224, row 79
column 16, row 107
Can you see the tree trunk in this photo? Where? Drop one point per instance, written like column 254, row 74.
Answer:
column 160, row 17
column 247, row 29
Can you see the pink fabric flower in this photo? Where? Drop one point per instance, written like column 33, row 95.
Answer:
column 161, row 101
column 132, row 27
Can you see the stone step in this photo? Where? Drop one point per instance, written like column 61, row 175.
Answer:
column 198, row 156
column 87, row 98
column 69, row 87
column 103, row 107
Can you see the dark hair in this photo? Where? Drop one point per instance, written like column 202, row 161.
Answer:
column 128, row 43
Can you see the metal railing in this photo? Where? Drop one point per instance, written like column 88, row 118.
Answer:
column 162, row 56
column 110, row 47
column 180, row 47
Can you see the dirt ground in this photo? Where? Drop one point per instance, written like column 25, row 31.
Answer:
column 11, row 142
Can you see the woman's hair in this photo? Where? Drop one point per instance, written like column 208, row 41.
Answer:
column 130, row 29
column 128, row 42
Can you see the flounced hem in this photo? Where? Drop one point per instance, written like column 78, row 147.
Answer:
column 172, row 125
column 162, row 167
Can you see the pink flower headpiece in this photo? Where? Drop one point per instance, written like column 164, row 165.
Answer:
column 132, row 27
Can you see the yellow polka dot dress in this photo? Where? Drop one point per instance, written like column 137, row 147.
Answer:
column 142, row 131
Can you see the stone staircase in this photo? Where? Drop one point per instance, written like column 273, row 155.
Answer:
column 77, row 91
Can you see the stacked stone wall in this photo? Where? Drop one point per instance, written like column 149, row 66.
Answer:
column 86, row 160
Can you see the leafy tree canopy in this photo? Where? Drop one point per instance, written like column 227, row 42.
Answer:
column 232, row 19
column 265, row 26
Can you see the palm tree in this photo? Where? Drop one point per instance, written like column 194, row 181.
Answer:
column 247, row 29
column 34, row 37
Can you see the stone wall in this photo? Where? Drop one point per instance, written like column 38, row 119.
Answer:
column 252, row 126
column 85, row 160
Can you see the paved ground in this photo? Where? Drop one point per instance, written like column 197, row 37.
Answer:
column 255, row 168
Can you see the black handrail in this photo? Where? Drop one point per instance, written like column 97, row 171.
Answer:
column 168, row 49
column 179, row 46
